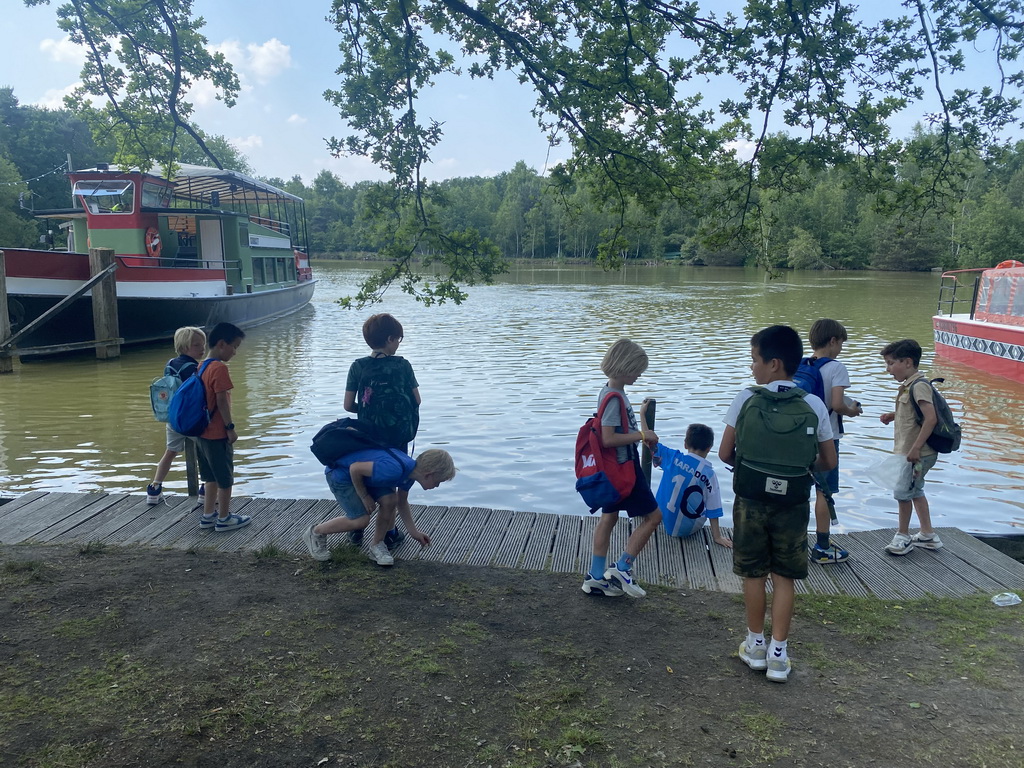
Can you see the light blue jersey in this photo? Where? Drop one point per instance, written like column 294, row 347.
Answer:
column 688, row 494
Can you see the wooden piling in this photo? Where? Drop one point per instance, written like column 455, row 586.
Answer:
column 648, row 415
column 191, row 467
column 104, row 304
column 6, row 359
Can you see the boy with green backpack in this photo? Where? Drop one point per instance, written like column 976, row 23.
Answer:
column 775, row 435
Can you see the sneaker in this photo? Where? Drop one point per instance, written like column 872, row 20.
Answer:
column 317, row 544
column 202, row 491
column 379, row 553
column 393, row 538
column 355, row 538
column 208, row 521
column 154, row 494
column 232, row 521
column 624, row 580
column 604, row 587
column 778, row 669
column 834, row 554
column 756, row 658
column 901, row 544
column 926, row 542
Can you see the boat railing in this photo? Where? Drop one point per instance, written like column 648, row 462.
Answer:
column 278, row 226
column 958, row 292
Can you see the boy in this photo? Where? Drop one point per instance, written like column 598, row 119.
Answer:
column 623, row 364
column 382, row 389
column 216, row 463
column 189, row 343
column 827, row 338
column 772, row 484
column 688, row 494
column 365, row 479
column 902, row 359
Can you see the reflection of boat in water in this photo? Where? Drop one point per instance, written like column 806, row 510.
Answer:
column 208, row 246
column 990, row 336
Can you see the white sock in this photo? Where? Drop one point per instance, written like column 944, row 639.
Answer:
column 754, row 639
column 778, row 648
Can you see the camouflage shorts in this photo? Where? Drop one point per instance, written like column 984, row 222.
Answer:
column 769, row 538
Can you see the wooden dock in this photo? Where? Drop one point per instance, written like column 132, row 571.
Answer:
column 507, row 539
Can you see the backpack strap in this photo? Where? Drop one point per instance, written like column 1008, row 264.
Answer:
column 622, row 406
column 913, row 400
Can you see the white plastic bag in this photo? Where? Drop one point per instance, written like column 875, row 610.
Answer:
column 893, row 472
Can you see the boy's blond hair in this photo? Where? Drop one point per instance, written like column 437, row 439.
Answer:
column 183, row 338
column 438, row 463
column 624, row 358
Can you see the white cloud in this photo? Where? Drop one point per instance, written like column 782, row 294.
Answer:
column 744, row 148
column 54, row 98
column 63, row 51
column 297, row 120
column 246, row 143
column 203, row 93
column 269, row 59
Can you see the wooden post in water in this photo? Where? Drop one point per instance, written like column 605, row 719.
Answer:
column 104, row 305
column 6, row 359
column 648, row 414
column 191, row 467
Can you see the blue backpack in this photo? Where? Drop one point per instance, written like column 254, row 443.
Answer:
column 187, row 413
column 162, row 389
column 808, row 378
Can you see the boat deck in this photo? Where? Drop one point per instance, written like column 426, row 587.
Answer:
column 508, row 539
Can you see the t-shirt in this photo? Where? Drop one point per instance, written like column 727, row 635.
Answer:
column 391, row 469
column 688, row 494
column 905, row 426
column 612, row 417
column 216, row 378
column 824, row 425
column 834, row 374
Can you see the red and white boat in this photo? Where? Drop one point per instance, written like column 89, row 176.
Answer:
column 990, row 336
column 205, row 247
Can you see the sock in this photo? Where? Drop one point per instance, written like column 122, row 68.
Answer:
column 625, row 562
column 823, row 540
column 598, row 565
column 778, row 648
column 754, row 639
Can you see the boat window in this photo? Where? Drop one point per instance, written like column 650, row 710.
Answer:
column 110, row 196
column 1018, row 297
column 259, row 274
column 155, row 196
column 1000, row 296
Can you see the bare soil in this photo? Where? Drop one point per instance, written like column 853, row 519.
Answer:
column 137, row 657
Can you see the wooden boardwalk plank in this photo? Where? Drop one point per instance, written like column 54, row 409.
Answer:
column 566, row 548
column 668, row 569
column 20, row 502
column 445, row 533
column 697, row 562
column 990, row 560
column 874, row 566
column 34, row 518
column 538, row 546
column 920, row 570
column 72, row 521
column 468, row 533
column 510, row 552
column 487, row 547
column 721, row 562
column 587, row 542
column 121, row 513
column 283, row 516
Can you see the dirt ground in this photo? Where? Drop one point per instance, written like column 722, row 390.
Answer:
column 134, row 657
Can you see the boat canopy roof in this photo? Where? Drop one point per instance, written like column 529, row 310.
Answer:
column 1001, row 296
column 198, row 181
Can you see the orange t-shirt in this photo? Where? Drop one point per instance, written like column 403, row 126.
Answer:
column 216, row 378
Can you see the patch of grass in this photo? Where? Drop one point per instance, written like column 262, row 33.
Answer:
column 469, row 630
column 92, row 549
column 18, row 573
column 864, row 620
column 79, row 629
column 763, row 729
column 269, row 552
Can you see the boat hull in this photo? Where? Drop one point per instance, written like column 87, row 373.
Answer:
column 993, row 347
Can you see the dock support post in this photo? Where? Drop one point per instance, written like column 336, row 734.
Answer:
column 6, row 359
column 104, row 304
column 191, row 467
column 648, row 415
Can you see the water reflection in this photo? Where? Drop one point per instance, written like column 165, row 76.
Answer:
column 508, row 377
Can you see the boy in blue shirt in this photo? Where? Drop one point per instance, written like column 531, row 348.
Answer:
column 372, row 478
column 689, row 494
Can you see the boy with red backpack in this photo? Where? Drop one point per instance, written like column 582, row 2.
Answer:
column 623, row 364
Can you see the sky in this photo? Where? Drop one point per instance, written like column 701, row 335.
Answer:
column 286, row 54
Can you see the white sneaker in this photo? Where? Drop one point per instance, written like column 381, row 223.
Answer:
column 756, row 658
column 901, row 544
column 379, row 553
column 926, row 542
column 778, row 669
column 624, row 580
column 604, row 587
column 317, row 544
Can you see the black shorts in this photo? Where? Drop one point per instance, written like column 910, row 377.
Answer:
column 216, row 462
column 640, row 501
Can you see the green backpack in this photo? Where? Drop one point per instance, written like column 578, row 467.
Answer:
column 776, row 443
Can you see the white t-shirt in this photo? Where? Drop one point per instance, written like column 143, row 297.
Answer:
column 824, row 425
column 834, row 374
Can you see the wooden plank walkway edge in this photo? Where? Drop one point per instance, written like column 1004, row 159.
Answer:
column 509, row 539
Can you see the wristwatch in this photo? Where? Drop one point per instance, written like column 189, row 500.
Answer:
column 230, row 426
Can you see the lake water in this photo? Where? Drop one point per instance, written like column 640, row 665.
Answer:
column 508, row 377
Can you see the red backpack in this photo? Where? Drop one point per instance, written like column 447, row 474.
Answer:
column 601, row 480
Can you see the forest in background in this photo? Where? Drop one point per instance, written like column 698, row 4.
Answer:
column 822, row 220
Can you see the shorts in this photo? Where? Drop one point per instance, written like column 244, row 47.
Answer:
column 349, row 501
column 216, row 461
column 175, row 440
column 769, row 538
column 916, row 489
column 832, row 476
column 640, row 501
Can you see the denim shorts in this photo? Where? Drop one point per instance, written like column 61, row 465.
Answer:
column 916, row 489
column 832, row 476
column 348, row 499
column 769, row 538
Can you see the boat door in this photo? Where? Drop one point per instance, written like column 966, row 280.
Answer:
column 211, row 243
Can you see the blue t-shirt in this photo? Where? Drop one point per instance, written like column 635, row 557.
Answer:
column 688, row 494
column 391, row 469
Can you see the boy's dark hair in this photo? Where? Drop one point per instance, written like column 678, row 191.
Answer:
column 379, row 328
column 224, row 332
column 903, row 349
column 699, row 437
column 824, row 330
column 779, row 342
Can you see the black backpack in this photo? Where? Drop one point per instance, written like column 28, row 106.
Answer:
column 945, row 438
column 384, row 399
column 342, row 437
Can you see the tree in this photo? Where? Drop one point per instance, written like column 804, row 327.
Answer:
column 15, row 230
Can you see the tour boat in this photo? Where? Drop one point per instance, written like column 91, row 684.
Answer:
column 990, row 336
column 205, row 247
